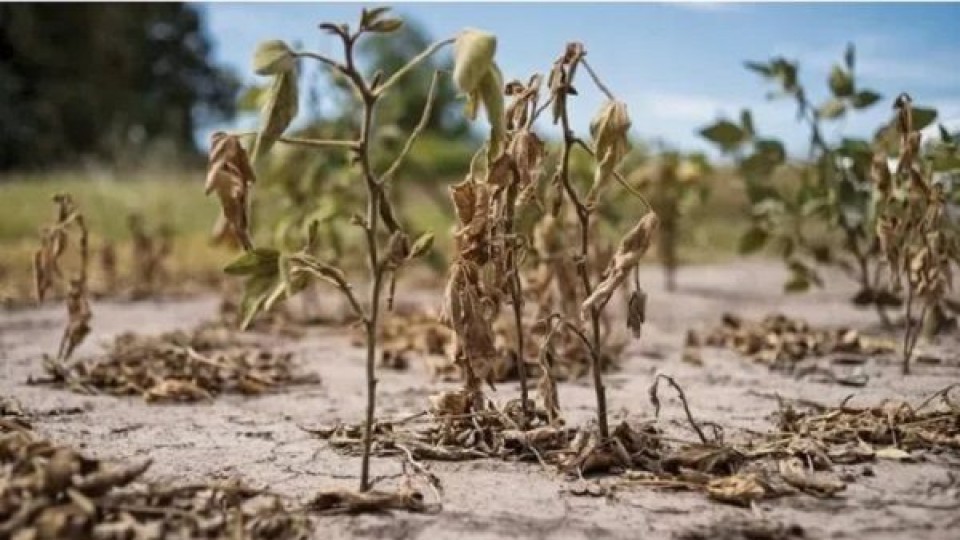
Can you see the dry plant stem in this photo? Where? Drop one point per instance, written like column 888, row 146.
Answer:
column 376, row 208
column 312, row 143
column 516, row 297
column 911, row 333
column 583, row 215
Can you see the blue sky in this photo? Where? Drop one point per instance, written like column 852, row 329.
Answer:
column 677, row 66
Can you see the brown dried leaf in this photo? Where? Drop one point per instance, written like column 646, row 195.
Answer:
column 629, row 252
column 229, row 174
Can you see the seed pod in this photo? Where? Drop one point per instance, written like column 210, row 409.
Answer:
column 398, row 249
column 637, row 312
column 473, row 53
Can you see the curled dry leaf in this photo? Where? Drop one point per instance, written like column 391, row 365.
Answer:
column 609, row 130
column 229, row 174
column 816, row 483
column 637, row 312
column 740, row 490
column 629, row 252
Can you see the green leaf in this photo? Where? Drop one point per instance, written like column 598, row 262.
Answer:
column 256, row 262
column 422, row 245
column 251, row 98
column 273, row 57
column 759, row 67
column 865, row 98
column 772, row 150
column 923, row 117
column 855, row 147
column 370, row 16
column 746, row 122
column 752, row 240
column 279, row 110
column 841, row 83
column 256, row 291
column 786, row 72
column 944, row 134
column 724, row 133
column 385, row 26
column 834, row 108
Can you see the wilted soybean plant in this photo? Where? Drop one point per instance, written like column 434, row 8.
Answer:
column 832, row 191
column 46, row 270
column 610, row 144
column 272, row 275
column 917, row 237
column 673, row 181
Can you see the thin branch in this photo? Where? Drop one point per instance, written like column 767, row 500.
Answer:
column 322, row 59
column 313, row 143
column 683, row 400
column 422, row 125
column 596, row 80
column 429, row 51
column 616, row 175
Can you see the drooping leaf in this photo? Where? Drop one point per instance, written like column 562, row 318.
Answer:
column 273, row 57
column 421, row 245
column 865, row 98
column 923, row 117
column 841, row 83
column 257, row 290
column 746, row 122
column 725, row 134
column 759, row 67
column 277, row 113
column 258, row 261
column 832, row 108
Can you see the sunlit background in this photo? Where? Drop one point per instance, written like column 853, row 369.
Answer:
column 677, row 66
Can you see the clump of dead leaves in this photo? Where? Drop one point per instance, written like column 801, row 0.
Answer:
column 181, row 366
column 55, row 491
column 781, row 342
column 892, row 429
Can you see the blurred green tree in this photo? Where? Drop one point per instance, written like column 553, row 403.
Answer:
column 99, row 80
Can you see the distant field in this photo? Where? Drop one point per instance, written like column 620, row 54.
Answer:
column 177, row 201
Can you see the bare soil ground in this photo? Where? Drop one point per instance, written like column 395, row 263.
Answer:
column 260, row 439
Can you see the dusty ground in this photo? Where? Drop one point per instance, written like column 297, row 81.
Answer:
column 259, row 439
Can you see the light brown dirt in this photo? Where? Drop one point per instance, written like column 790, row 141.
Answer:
column 258, row 439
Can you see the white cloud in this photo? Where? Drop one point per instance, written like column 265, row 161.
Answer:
column 675, row 107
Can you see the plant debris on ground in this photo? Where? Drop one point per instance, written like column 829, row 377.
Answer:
column 781, row 342
column 50, row 491
column 797, row 457
column 180, row 366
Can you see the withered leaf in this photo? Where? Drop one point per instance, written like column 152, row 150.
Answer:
column 229, row 174
column 629, row 252
column 279, row 110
